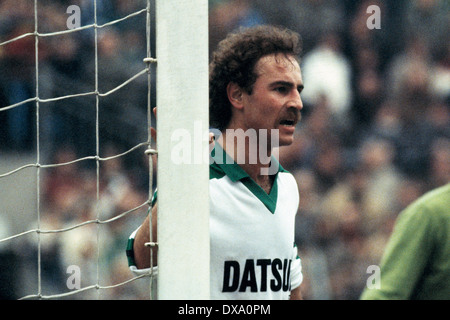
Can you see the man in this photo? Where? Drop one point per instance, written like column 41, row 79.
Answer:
column 255, row 86
column 416, row 264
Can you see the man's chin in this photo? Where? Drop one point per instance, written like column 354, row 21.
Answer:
column 283, row 142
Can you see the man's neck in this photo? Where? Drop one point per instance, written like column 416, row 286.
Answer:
column 248, row 156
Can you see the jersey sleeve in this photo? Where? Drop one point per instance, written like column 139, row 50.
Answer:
column 130, row 250
column 296, row 269
column 131, row 261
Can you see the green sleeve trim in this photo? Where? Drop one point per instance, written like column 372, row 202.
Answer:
column 130, row 252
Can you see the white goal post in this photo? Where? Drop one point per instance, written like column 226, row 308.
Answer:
column 182, row 117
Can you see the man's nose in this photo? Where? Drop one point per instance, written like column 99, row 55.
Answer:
column 296, row 101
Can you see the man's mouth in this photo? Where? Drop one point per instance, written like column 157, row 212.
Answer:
column 287, row 123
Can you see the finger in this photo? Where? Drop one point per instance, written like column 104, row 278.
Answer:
column 153, row 133
column 211, row 141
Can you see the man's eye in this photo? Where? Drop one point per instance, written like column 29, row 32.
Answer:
column 281, row 89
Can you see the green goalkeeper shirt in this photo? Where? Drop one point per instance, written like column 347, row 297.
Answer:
column 416, row 262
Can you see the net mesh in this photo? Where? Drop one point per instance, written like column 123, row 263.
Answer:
column 79, row 235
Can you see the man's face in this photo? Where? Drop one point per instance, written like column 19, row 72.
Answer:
column 275, row 101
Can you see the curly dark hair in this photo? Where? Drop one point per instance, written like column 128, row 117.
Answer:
column 234, row 61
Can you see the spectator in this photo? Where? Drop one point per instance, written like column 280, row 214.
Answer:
column 326, row 61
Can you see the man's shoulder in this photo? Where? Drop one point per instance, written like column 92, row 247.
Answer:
column 435, row 202
column 215, row 171
column 286, row 176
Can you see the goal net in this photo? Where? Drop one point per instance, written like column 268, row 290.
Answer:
column 78, row 165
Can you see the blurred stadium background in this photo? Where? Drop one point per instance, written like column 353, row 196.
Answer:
column 375, row 134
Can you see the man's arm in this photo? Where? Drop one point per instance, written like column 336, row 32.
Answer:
column 296, row 294
column 142, row 252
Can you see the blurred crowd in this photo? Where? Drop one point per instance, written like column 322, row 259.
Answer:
column 374, row 135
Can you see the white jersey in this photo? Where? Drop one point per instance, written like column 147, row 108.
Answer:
column 253, row 255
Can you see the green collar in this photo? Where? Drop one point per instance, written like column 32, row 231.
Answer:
column 231, row 169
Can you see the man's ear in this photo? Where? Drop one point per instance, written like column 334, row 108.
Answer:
column 235, row 95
